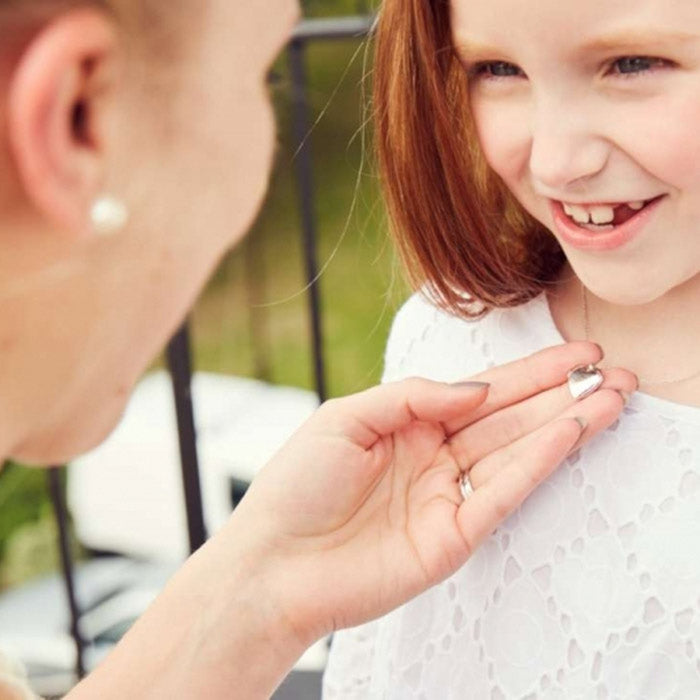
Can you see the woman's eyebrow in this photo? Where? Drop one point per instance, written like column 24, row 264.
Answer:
column 470, row 50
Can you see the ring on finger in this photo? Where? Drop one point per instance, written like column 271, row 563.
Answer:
column 465, row 486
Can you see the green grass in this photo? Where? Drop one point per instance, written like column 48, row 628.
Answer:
column 252, row 319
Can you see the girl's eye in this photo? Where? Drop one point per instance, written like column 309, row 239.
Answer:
column 627, row 67
column 494, row 70
column 633, row 66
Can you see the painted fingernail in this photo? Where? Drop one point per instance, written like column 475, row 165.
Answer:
column 625, row 396
column 582, row 422
column 471, row 385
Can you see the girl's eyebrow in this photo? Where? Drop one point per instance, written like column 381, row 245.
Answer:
column 470, row 50
column 632, row 38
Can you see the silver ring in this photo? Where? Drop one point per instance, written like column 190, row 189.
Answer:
column 584, row 380
column 465, row 486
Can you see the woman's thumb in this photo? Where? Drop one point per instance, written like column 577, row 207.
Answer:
column 384, row 409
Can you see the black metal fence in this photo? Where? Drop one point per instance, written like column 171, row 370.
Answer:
column 178, row 351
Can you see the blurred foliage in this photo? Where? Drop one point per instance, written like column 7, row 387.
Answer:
column 252, row 320
column 23, row 502
column 28, row 531
column 329, row 8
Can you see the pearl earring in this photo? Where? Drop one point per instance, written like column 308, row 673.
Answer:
column 108, row 215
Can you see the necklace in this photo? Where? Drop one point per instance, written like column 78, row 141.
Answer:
column 642, row 382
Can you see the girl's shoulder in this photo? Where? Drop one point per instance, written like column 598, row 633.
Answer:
column 428, row 341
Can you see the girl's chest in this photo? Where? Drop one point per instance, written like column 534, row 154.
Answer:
column 594, row 578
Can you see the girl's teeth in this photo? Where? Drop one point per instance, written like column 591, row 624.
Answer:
column 578, row 214
column 602, row 215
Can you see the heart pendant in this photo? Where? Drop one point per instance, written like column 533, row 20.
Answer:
column 584, row 380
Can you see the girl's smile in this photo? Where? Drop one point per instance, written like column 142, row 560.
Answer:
column 623, row 223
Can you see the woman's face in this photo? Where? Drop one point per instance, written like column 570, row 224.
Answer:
column 189, row 146
column 595, row 102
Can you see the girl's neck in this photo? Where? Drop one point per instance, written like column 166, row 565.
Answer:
column 659, row 340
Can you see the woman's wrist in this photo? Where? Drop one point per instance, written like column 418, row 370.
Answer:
column 246, row 619
column 217, row 629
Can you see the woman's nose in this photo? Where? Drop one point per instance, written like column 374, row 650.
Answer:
column 564, row 151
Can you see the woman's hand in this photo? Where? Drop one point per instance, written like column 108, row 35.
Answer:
column 361, row 510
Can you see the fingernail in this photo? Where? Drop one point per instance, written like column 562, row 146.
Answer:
column 625, row 396
column 471, row 385
column 600, row 347
column 582, row 422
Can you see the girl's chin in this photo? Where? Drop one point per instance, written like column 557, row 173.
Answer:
column 622, row 297
column 620, row 288
column 639, row 289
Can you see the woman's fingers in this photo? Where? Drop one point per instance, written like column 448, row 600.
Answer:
column 598, row 411
column 528, row 376
column 382, row 410
column 496, row 498
column 503, row 427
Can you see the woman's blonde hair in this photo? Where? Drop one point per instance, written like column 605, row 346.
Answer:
column 147, row 24
column 461, row 233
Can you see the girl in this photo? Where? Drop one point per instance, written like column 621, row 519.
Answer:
column 542, row 167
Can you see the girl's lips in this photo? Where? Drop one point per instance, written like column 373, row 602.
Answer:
column 583, row 239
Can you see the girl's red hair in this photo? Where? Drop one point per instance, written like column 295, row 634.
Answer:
column 461, row 233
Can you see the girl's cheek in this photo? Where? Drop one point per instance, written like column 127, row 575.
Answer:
column 669, row 155
column 679, row 148
column 505, row 142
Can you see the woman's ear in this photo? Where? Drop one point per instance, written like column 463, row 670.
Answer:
column 55, row 116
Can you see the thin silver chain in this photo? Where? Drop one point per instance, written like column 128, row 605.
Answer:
column 646, row 382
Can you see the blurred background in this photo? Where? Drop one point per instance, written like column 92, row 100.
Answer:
column 251, row 323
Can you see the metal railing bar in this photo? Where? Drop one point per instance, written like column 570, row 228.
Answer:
column 180, row 365
column 59, row 508
column 304, row 176
column 333, row 28
column 306, row 31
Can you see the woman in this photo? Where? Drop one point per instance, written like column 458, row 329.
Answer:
column 137, row 140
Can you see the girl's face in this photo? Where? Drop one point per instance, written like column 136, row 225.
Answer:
column 595, row 102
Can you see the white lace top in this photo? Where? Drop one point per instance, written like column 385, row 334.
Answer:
column 13, row 681
column 590, row 590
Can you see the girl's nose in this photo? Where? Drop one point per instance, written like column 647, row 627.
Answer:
column 564, row 151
